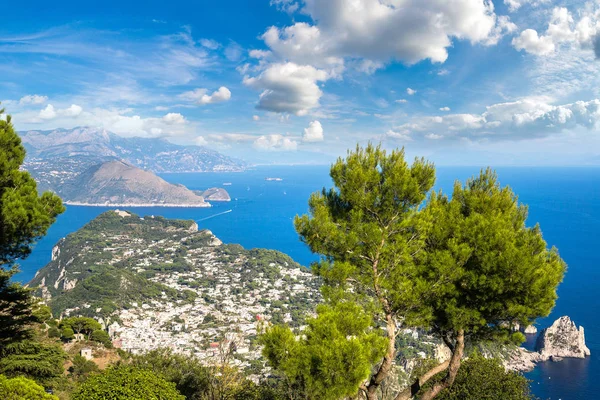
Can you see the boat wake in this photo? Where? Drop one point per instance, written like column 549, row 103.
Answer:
column 212, row 216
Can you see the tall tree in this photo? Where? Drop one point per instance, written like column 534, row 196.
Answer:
column 491, row 271
column 463, row 268
column 369, row 230
column 24, row 218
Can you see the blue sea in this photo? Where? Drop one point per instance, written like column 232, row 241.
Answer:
column 564, row 201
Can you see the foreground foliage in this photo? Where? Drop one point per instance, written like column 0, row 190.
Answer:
column 21, row 388
column 24, row 218
column 464, row 268
column 126, row 382
column 486, row 379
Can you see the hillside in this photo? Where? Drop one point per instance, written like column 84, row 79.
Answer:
column 118, row 183
column 162, row 283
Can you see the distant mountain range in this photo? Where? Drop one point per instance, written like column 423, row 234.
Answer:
column 90, row 146
column 92, row 166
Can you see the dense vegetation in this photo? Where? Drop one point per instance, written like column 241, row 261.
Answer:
column 465, row 268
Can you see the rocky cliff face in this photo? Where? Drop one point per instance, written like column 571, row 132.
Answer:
column 215, row 194
column 118, row 183
column 562, row 339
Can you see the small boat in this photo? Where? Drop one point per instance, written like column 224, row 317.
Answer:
column 274, row 179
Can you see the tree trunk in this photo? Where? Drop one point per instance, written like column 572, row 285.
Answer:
column 388, row 360
column 452, row 368
column 413, row 389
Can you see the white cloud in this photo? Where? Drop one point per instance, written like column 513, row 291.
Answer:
column 73, row 111
column 401, row 101
column 200, row 141
column 529, row 41
column 445, row 109
column 410, row 91
column 50, row 113
column 255, row 118
column 314, row 132
column 119, row 121
column 33, row 99
column 210, row 44
column 200, row 96
column 47, row 113
column 523, row 119
column 161, row 108
column 408, row 31
column 275, row 142
column 174, row 119
column 563, row 31
column 288, row 88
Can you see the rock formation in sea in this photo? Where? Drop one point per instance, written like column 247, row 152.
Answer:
column 562, row 339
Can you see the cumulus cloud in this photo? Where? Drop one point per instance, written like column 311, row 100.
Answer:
column 47, row 113
column 523, row 119
column 407, row 31
column 446, row 109
column 563, row 30
column 73, row 111
column 33, row 99
column 255, row 118
column 410, row 91
column 173, row 119
column 275, row 142
column 288, row 88
column 201, row 97
column 529, row 41
column 401, row 101
column 314, row 132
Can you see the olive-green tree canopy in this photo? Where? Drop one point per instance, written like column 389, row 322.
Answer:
column 126, row 382
column 21, row 388
column 465, row 268
column 24, row 218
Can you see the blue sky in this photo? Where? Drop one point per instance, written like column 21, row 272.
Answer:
column 462, row 82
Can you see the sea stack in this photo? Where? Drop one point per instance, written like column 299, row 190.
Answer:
column 562, row 339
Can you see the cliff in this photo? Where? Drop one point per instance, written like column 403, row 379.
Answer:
column 562, row 339
column 214, row 194
column 121, row 184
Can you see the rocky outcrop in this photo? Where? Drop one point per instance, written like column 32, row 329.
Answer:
column 215, row 194
column 520, row 359
column 530, row 330
column 562, row 339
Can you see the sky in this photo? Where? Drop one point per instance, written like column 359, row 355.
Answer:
column 460, row 82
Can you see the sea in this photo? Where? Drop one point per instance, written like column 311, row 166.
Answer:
column 564, row 201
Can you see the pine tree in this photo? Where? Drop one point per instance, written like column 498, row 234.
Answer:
column 24, row 218
column 464, row 268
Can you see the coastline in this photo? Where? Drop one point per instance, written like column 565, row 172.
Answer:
column 76, row 203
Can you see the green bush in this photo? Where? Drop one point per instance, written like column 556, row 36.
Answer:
column 126, row 382
column 21, row 388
